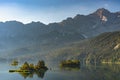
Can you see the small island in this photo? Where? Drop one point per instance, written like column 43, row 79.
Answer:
column 70, row 63
column 14, row 63
column 26, row 67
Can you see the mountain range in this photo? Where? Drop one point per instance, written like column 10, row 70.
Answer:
column 35, row 38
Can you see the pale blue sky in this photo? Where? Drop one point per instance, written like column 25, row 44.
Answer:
column 48, row 11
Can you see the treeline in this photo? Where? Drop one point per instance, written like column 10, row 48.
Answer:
column 70, row 63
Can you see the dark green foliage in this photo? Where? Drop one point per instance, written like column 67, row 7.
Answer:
column 70, row 63
column 40, row 64
column 31, row 67
column 25, row 66
column 14, row 63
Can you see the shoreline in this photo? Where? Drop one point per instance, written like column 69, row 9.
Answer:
column 110, row 62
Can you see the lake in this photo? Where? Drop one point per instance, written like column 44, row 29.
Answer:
column 87, row 72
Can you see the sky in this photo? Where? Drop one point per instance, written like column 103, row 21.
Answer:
column 49, row 11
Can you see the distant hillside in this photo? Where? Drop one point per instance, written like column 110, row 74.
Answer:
column 18, row 39
column 103, row 48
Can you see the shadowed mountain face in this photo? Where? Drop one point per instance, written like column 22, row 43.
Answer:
column 18, row 39
column 103, row 48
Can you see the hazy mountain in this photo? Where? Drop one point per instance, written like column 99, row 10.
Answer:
column 105, row 47
column 18, row 39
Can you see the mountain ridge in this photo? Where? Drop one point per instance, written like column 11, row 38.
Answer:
column 38, row 37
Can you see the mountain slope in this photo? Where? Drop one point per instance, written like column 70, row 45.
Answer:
column 103, row 48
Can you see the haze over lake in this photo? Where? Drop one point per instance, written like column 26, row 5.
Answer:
column 59, row 40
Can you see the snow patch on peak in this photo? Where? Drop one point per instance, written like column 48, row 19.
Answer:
column 104, row 18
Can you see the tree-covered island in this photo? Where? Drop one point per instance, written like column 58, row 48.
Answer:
column 26, row 67
column 70, row 63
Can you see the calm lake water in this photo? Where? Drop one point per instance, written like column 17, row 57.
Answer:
column 87, row 72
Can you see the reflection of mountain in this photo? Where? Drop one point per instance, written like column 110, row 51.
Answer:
column 40, row 74
column 102, row 72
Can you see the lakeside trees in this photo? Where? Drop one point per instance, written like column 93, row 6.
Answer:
column 29, row 69
column 70, row 63
column 40, row 65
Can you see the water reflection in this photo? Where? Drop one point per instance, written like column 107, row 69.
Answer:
column 86, row 72
column 93, row 72
column 40, row 74
column 101, row 72
column 70, row 68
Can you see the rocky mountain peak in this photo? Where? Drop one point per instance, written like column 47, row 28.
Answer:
column 102, row 13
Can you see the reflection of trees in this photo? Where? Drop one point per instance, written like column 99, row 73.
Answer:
column 70, row 65
column 14, row 63
column 70, row 68
column 102, row 72
column 39, row 73
column 25, row 75
column 40, row 65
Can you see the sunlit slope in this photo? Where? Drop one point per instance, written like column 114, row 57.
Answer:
column 103, row 48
